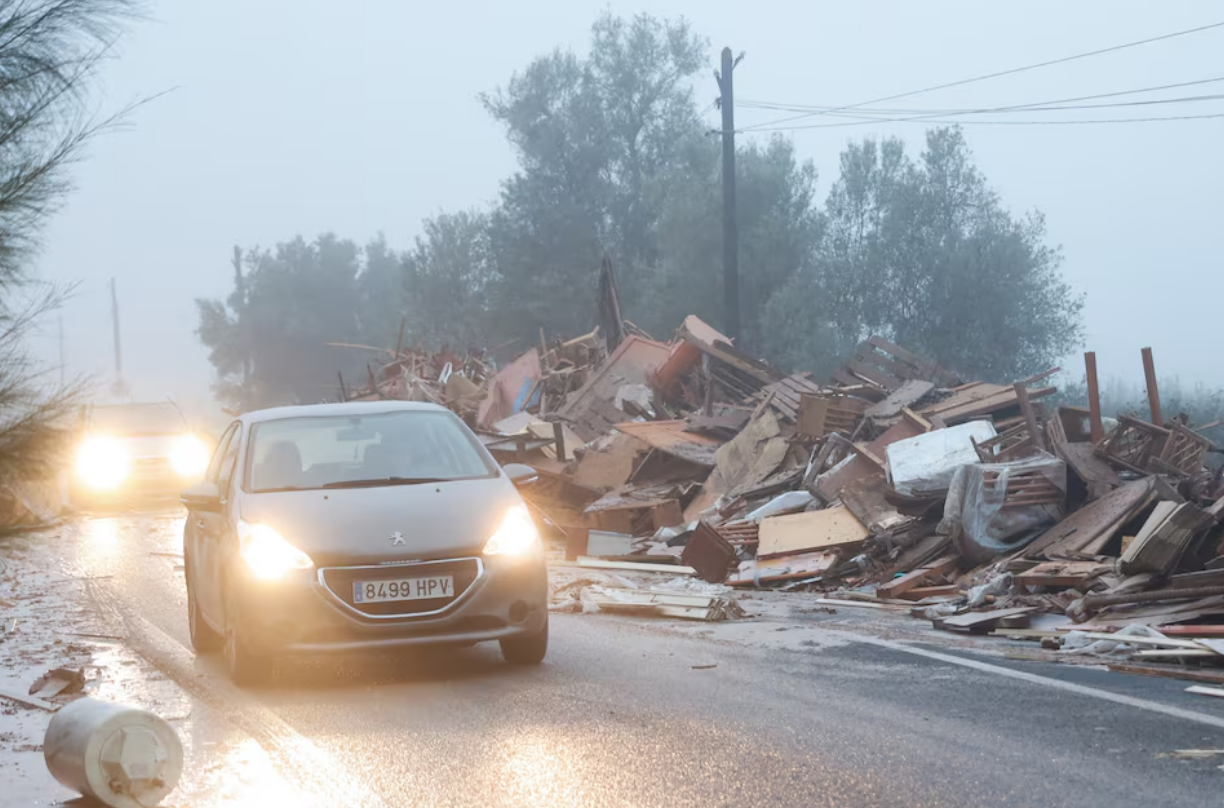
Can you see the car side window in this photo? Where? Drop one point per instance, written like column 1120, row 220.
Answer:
column 229, row 462
column 214, row 465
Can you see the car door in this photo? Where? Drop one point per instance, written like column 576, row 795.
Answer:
column 210, row 527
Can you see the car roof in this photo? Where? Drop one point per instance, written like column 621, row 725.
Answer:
column 341, row 409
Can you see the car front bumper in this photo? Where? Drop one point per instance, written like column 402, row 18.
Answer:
column 303, row 615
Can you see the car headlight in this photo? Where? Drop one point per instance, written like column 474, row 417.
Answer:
column 266, row 553
column 102, row 463
column 189, row 456
column 516, row 536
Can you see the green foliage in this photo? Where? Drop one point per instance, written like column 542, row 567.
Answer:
column 50, row 51
column 592, row 136
column 269, row 340
column 614, row 161
column 925, row 254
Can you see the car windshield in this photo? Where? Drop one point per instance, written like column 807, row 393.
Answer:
column 390, row 448
column 137, row 419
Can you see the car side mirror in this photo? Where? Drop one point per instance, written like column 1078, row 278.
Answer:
column 520, row 474
column 202, row 497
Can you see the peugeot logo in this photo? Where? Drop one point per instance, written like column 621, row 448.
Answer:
column 397, row 539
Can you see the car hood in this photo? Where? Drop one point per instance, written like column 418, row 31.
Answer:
column 356, row 525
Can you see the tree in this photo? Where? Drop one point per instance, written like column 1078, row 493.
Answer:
column 924, row 253
column 448, row 278
column 590, row 135
column 271, row 340
column 780, row 227
column 50, row 51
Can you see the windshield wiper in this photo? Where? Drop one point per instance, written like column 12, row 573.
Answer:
column 373, row 483
column 279, row 489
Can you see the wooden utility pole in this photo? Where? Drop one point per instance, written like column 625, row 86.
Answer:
column 730, row 225
column 119, row 388
column 1094, row 398
column 1153, row 393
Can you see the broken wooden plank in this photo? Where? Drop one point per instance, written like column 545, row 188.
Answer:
column 924, row 592
column 27, row 700
column 784, row 568
column 671, row 437
column 1169, row 672
column 1162, row 542
column 601, row 564
column 1062, row 573
column 1090, row 528
column 914, row 578
column 1199, row 690
column 1030, row 417
column 981, row 622
column 809, row 531
column 1162, row 642
column 904, row 396
column 1153, row 392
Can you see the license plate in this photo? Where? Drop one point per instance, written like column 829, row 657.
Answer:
column 433, row 587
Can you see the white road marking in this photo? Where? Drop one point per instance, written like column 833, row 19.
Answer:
column 1032, row 678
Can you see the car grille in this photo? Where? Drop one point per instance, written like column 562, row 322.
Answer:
column 339, row 581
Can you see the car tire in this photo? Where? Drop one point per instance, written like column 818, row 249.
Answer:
column 526, row 650
column 203, row 638
column 245, row 666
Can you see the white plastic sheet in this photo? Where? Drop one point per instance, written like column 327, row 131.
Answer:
column 789, row 502
column 925, row 464
column 974, row 516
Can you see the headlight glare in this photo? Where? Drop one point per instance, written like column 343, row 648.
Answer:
column 266, row 553
column 102, row 463
column 189, row 456
column 516, row 536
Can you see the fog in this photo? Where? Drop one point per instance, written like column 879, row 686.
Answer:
column 359, row 118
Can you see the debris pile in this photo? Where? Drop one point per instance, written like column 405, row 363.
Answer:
column 895, row 481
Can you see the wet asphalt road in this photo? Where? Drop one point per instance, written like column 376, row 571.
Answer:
column 619, row 716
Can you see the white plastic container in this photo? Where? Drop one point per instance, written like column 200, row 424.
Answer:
column 121, row 756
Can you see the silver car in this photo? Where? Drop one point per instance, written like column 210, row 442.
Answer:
column 355, row 527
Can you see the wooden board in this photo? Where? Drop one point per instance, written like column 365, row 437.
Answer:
column 905, row 395
column 1199, row 690
column 1090, row 528
column 602, row 471
column 671, row 437
column 1061, row 573
column 980, row 399
column 601, row 564
column 924, row 592
column 784, row 568
column 897, row 586
column 809, row 531
column 865, row 499
column 981, row 621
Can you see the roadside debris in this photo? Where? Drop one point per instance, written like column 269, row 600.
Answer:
column 58, row 682
column 121, row 756
column 894, row 482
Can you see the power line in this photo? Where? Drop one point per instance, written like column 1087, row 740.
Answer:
column 825, row 110
column 997, row 123
column 1000, row 73
column 1069, row 107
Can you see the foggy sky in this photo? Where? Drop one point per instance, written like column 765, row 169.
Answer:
column 305, row 116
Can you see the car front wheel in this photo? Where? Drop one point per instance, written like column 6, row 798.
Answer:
column 528, row 650
column 245, row 665
column 203, row 638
